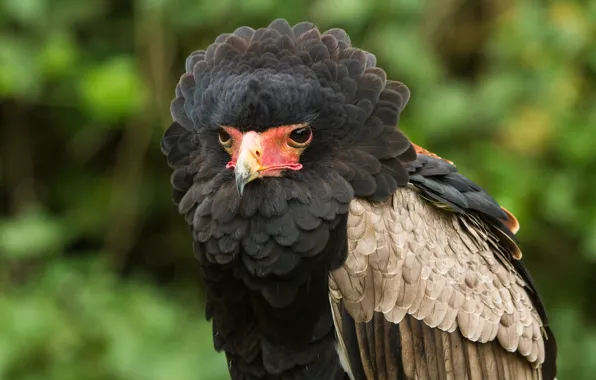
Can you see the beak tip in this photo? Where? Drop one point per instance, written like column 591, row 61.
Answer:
column 241, row 181
column 240, row 186
column 246, row 170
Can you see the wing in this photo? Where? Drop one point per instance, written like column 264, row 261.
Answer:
column 432, row 289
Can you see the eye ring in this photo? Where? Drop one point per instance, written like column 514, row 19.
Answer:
column 300, row 137
column 224, row 138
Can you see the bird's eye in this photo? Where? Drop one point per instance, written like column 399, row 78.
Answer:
column 224, row 138
column 300, row 137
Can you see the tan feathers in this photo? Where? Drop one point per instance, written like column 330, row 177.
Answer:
column 407, row 257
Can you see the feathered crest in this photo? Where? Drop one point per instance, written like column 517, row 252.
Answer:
column 272, row 76
column 359, row 107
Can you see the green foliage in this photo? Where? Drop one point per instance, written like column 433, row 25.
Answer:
column 96, row 270
column 113, row 90
column 76, row 320
column 29, row 235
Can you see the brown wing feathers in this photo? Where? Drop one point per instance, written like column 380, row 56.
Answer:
column 372, row 350
column 439, row 289
column 412, row 350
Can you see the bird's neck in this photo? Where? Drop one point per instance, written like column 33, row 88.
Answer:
column 268, row 337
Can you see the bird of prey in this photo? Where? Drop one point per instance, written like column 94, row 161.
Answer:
column 330, row 245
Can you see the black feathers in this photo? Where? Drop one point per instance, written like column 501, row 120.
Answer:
column 258, row 79
column 265, row 257
column 441, row 182
column 276, row 244
column 282, row 75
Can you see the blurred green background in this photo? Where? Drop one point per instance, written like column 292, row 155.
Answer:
column 97, row 276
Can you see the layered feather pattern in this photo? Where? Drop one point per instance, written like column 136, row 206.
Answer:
column 265, row 256
column 256, row 79
column 411, row 261
column 422, row 262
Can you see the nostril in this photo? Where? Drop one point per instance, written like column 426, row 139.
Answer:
column 258, row 152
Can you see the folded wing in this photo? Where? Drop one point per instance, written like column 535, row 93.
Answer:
column 432, row 288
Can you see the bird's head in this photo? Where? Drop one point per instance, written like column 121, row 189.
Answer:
column 264, row 154
column 275, row 132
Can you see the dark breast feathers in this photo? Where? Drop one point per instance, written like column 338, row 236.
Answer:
column 431, row 287
column 427, row 293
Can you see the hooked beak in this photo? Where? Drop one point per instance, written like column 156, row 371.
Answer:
column 248, row 164
column 247, row 169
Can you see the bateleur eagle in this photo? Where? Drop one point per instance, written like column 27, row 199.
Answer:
column 331, row 246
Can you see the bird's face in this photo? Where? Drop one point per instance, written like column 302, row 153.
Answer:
column 275, row 132
column 264, row 154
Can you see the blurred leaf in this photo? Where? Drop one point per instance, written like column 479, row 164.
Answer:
column 404, row 53
column 30, row 235
column 18, row 73
column 529, row 131
column 407, row 9
column 68, row 13
column 28, row 12
column 112, row 90
column 74, row 311
column 153, row 5
column 572, row 27
column 499, row 92
column 577, row 144
column 58, row 55
column 342, row 11
column 257, row 7
column 560, row 203
column 192, row 13
column 452, row 102
column 577, row 342
column 88, row 213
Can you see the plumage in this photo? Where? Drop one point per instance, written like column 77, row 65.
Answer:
column 331, row 246
column 469, row 282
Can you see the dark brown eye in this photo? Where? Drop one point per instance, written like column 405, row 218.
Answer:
column 300, row 137
column 224, row 138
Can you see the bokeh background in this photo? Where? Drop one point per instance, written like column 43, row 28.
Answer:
column 97, row 277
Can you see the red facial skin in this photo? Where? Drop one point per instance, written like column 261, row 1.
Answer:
column 273, row 149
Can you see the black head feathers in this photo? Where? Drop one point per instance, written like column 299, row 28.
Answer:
column 279, row 75
column 283, row 75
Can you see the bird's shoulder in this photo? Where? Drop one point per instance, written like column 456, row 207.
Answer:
column 443, row 251
column 439, row 181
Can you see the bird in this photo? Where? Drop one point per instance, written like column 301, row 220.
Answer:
column 330, row 245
